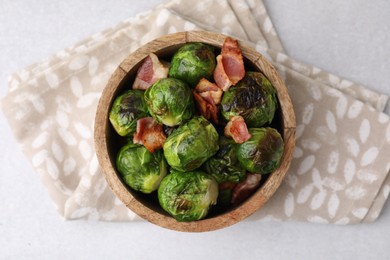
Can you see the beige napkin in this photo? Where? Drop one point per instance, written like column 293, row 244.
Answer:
column 339, row 173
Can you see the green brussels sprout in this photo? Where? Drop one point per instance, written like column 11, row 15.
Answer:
column 187, row 196
column 141, row 169
column 224, row 165
column 190, row 145
column 262, row 152
column 192, row 62
column 126, row 110
column 170, row 101
column 253, row 98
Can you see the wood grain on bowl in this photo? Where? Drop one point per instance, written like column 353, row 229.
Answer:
column 107, row 144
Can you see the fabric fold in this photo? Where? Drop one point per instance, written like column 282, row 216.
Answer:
column 339, row 173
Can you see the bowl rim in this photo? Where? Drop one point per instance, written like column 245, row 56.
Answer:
column 249, row 206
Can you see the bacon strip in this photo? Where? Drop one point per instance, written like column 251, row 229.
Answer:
column 150, row 71
column 237, row 129
column 207, row 95
column 150, row 134
column 244, row 189
column 233, row 61
column 230, row 65
column 207, row 110
column 209, row 91
column 220, row 76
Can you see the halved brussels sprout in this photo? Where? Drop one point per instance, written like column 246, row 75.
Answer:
column 126, row 110
column 187, row 196
column 192, row 62
column 170, row 101
column 141, row 169
column 262, row 152
column 253, row 98
column 189, row 146
column 224, row 165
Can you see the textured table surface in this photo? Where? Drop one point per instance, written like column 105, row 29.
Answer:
column 349, row 38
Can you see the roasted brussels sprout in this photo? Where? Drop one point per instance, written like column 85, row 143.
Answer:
column 189, row 146
column 253, row 98
column 187, row 196
column 141, row 169
column 126, row 110
column 170, row 101
column 192, row 62
column 262, row 152
column 224, row 165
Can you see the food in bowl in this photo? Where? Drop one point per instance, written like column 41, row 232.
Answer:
column 251, row 190
column 197, row 129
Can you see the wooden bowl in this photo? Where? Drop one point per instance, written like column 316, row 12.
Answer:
column 107, row 142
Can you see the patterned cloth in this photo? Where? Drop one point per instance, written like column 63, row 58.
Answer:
column 339, row 172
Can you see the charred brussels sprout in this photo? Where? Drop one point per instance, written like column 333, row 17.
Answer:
column 224, row 165
column 192, row 62
column 170, row 101
column 141, row 169
column 126, row 110
column 189, row 146
column 187, row 196
column 262, row 152
column 253, row 98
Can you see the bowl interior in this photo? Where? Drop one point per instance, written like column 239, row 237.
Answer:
column 108, row 142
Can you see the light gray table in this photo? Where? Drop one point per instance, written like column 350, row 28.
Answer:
column 349, row 38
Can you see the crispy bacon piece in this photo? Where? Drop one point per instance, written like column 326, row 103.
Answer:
column 244, row 189
column 230, row 65
column 209, row 91
column 150, row 71
column 220, row 76
column 233, row 61
column 207, row 110
column 207, row 95
column 150, row 134
column 237, row 129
